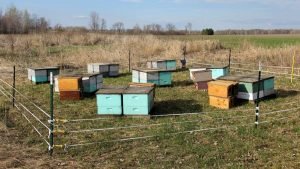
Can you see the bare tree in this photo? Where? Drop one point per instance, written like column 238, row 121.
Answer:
column 103, row 24
column 188, row 28
column 94, row 21
column 137, row 29
column 170, row 27
column 118, row 27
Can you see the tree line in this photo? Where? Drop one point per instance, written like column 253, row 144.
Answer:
column 14, row 21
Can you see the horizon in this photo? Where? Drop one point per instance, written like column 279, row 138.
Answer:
column 216, row 14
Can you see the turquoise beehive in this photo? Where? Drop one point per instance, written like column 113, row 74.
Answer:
column 216, row 71
column 159, row 77
column 42, row 75
column 109, row 100
column 138, row 100
column 162, row 64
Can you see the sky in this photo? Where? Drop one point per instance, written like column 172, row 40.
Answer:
column 217, row 14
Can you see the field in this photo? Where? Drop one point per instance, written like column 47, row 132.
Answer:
column 225, row 139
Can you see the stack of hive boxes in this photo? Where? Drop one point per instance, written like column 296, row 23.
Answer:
column 42, row 75
column 88, row 84
column 162, row 64
column 125, row 100
column 222, row 93
column 248, row 86
column 70, row 87
column 201, row 78
column 159, row 77
column 106, row 69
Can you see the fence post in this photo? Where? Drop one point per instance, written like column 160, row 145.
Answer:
column 229, row 61
column 293, row 64
column 129, row 61
column 14, row 85
column 51, row 116
column 257, row 98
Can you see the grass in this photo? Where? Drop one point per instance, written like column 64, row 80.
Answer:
column 236, row 41
column 241, row 147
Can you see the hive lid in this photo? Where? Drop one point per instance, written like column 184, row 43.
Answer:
column 253, row 78
column 151, row 70
column 104, row 64
column 231, row 77
column 208, row 66
column 161, row 60
column 44, row 68
column 223, row 83
column 69, row 77
column 112, row 90
column 138, row 90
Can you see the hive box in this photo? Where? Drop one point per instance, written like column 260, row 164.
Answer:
column 70, row 95
column 222, row 88
column 138, row 100
column 42, row 75
column 91, row 82
column 220, row 102
column 201, row 75
column 248, row 86
column 70, row 83
column 162, row 64
column 109, row 100
column 217, row 71
column 157, row 76
column 107, row 69
column 201, row 85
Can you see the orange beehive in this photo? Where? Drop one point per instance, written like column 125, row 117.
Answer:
column 69, row 83
column 223, row 103
column 224, row 89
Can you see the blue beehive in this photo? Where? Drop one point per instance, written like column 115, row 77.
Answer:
column 109, row 100
column 138, row 100
column 159, row 77
column 42, row 75
column 162, row 64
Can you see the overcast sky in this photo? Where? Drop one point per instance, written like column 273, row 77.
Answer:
column 218, row 14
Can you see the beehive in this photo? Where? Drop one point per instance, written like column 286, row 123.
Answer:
column 42, row 75
column 138, row 100
column 220, row 102
column 91, row 82
column 220, row 88
column 162, row 64
column 106, row 69
column 70, row 83
column 248, row 86
column 201, row 75
column 157, row 76
column 216, row 71
column 109, row 100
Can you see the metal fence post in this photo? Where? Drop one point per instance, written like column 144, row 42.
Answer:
column 257, row 98
column 51, row 116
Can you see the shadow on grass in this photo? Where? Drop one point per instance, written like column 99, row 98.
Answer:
column 281, row 93
column 183, row 83
column 176, row 107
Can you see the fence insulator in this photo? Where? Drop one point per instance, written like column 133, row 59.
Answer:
column 61, row 121
column 59, row 146
column 59, row 132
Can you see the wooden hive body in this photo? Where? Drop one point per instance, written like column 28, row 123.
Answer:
column 220, row 88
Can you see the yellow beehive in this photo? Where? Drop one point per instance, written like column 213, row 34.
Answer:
column 69, row 83
column 224, row 89
column 223, row 103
